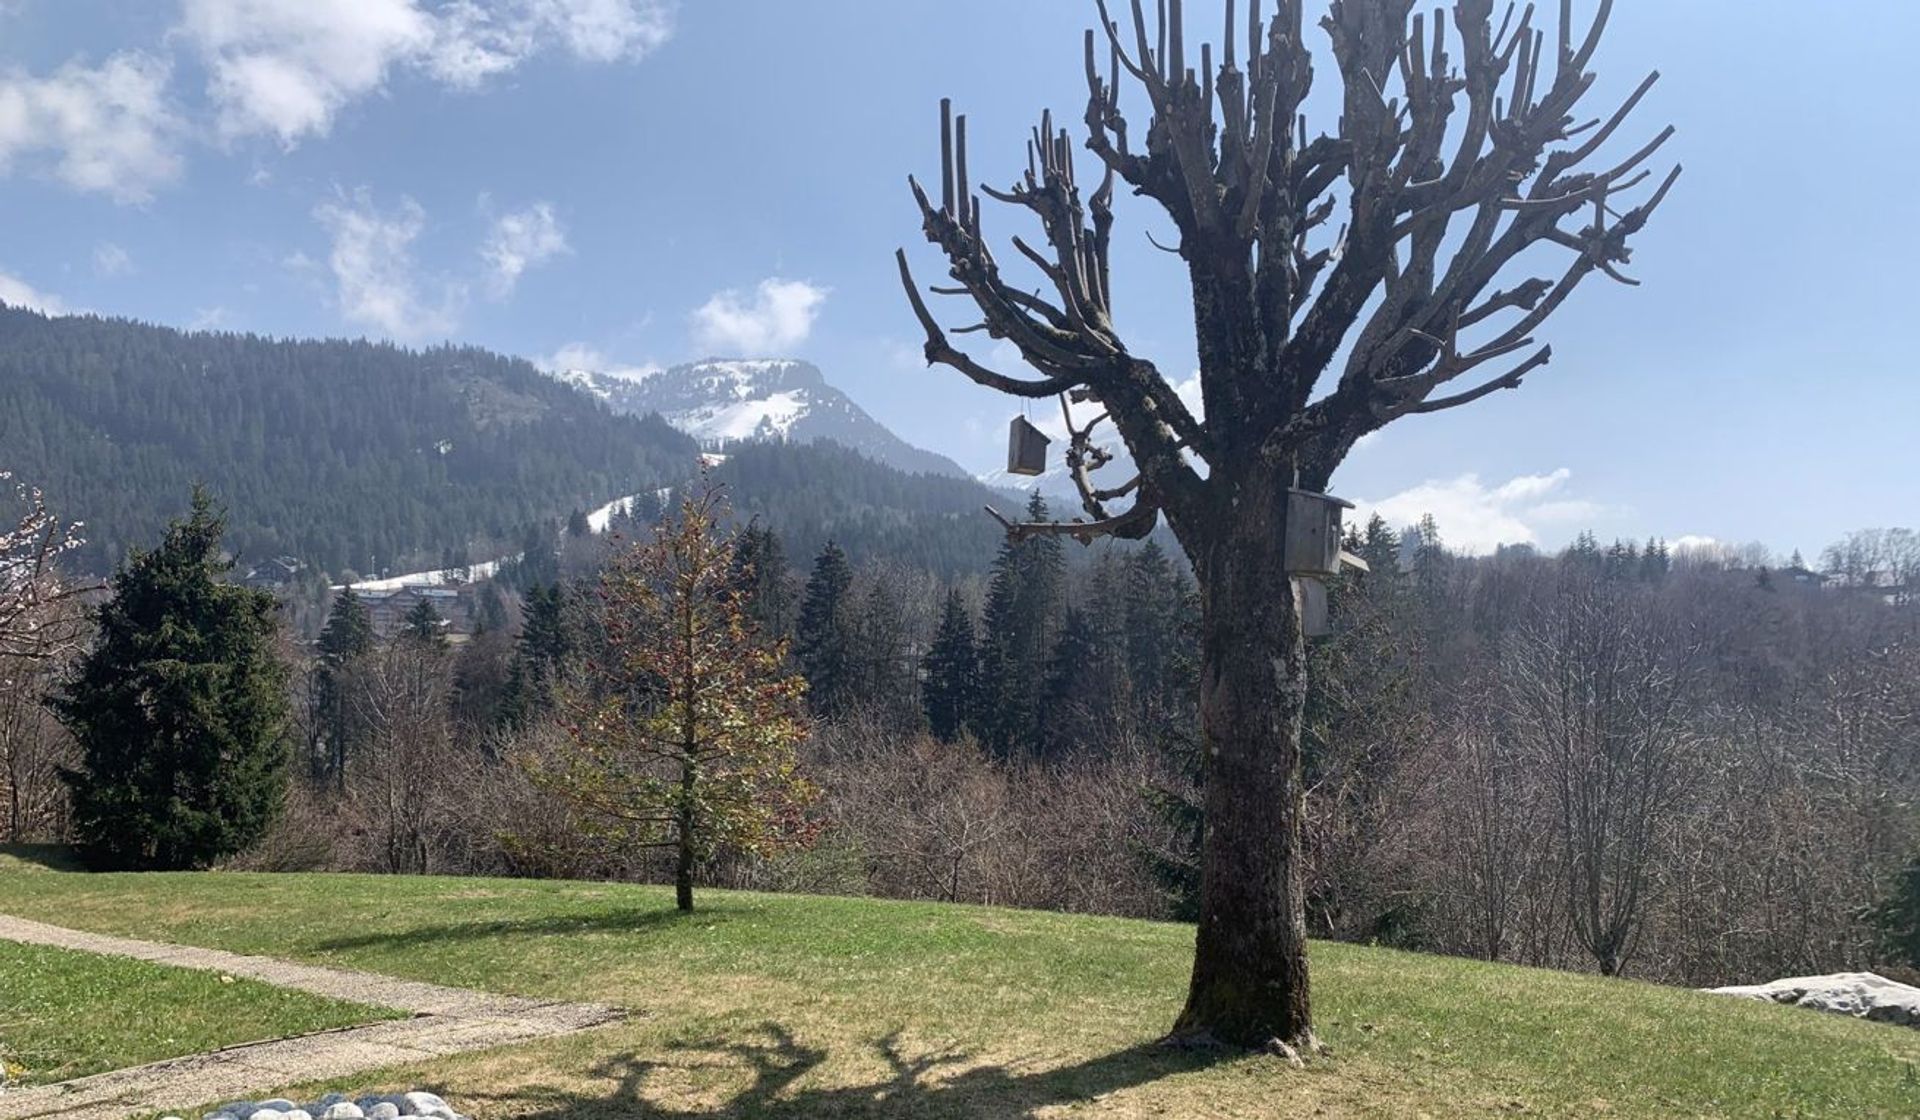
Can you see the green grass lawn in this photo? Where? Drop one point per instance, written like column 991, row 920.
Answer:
column 803, row 1008
column 65, row 1014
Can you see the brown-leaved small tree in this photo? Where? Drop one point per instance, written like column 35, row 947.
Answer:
column 682, row 731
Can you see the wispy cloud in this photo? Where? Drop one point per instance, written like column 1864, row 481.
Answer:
column 111, row 260
column 372, row 264
column 108, row 129
column 518, row 241
column 1477, row 518
column 776, row 319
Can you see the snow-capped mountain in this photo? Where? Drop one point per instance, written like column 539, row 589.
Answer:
column 720, row 402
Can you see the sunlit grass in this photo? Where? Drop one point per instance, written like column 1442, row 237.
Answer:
column 760, row 1005
column 65, row 1014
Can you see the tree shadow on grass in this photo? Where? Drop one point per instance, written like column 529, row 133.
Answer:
column 45, row 857
column 624, row 920
column 941, row 1084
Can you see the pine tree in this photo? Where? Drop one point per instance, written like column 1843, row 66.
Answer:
column 179, row 710
column 1380, row 548
column 1025, row 606
column 1155, row 604
column 1655, row 561
column 952, row 667
column 546, row 641
column 760, row 572
column 424, row 625
column 885, row 674
column 491, row 611
column 686, row 736
column 347, row 637
column 823, row 643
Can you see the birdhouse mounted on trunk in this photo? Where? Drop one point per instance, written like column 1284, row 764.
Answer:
column 1026, row 448
column 1313, row 533
column 1313, row 554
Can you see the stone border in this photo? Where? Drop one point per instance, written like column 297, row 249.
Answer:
column 446, row 1021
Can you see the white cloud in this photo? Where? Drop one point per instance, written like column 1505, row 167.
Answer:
column 1476, row 518
column 519, row 241
column 776, row 321
column 111, row 260
column 15, row 292
column 287, row 67
column 373, row 269
column 108, row 129
column 579, row 355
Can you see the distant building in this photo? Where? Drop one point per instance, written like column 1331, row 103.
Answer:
column 1804, row 577
column 274, row 574
column 388, row 609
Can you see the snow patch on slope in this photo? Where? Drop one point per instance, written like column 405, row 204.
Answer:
column 770, row 417
column 598, row 521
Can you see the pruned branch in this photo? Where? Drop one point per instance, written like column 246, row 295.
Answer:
column 1464, row 149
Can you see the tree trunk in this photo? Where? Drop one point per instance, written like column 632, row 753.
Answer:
column 683, row 868
column 1249, row 983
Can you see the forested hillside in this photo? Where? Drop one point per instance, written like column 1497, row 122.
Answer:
column 813, row 493
column 345, row 454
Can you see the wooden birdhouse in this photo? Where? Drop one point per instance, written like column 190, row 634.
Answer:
column 1313, row 533
column 1310, row 601
column 1026, row 448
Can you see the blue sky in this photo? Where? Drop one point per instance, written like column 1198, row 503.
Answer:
column 630, row 183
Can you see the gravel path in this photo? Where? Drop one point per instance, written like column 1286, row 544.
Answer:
column 447, row 1021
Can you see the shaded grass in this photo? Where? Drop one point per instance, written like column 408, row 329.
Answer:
column 761, row 1005
column 66, row 1014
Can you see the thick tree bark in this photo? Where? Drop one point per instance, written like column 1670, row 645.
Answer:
column 1249, row 983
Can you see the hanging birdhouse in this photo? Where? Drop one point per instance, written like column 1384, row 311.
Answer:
column 1026, row 448
column 1313, row 533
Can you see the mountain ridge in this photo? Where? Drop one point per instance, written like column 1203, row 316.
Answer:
column 722, row 401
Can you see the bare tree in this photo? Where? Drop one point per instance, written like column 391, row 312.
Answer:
column 400, row 695
column 1447, row 169
column 1595, row 692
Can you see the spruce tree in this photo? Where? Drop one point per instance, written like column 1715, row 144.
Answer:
column 1380, row 548
column 424, row 625
column 760, row 572
column 823, row 644
column 347, row 637
column 1025, row 604
column 952, row 667
column 546, row 641
column 179, row 710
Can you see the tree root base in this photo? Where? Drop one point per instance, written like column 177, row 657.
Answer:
column 1295, row 1051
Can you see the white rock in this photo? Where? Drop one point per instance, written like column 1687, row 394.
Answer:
column 299, row 1114
column 278, row 1104
column 422, row 1104
column 266, row 1114
column 342, row 1110
column 385, row 1110
column 1862, row 995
